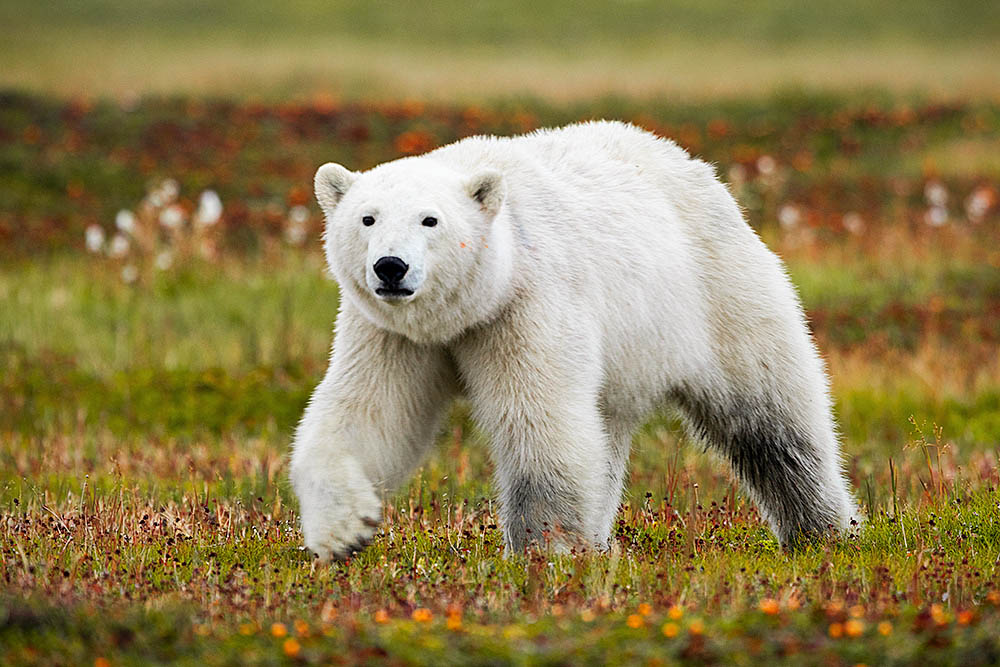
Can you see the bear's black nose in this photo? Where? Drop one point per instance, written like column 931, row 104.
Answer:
column 390, row 269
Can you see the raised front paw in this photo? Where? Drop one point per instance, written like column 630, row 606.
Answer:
column 339, row 516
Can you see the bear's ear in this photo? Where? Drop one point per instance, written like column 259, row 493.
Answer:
column 331, row 184
column 487, row 188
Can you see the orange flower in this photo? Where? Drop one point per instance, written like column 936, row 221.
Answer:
column 422, row 615
column 675, row 613
column 381, row 616
column 965, row 617
column 836, row 630
column 301, row 628
column 247, row 629
column 101, row 662
column 670, row 630
column 279, row 629
column 291, row 647
column 696, row 627
column 939, row 615
column 857, row 611
column 769, row 606
column 885, row 628
column 634, row 621
column 414, row 141
column 454, row 621
column 854, row 628
column 993, row 597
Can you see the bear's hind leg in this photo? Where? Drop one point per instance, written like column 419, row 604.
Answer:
column 791, row 470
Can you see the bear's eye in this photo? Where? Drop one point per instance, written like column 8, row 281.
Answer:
column 368, row 221
column 429, row 221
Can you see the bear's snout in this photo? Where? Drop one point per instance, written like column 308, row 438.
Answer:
column 390, row 270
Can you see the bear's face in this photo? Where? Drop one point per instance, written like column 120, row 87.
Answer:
column 406, row 238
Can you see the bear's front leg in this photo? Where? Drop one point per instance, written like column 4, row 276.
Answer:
column 366, row 427
column 536, row 396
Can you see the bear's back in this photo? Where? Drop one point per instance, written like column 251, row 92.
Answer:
column 585, row 159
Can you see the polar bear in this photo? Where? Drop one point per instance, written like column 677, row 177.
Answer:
column 568, row 283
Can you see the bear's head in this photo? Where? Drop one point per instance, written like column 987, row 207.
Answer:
column 421, row 249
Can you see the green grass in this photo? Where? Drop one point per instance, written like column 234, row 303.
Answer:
column 481, row 50
column 520, row 23
column 200, row 570
column 145, row 514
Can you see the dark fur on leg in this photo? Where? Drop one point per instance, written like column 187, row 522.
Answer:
column 774, row 459
column 537, row 508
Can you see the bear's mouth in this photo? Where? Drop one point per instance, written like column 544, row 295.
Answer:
column 393, row 292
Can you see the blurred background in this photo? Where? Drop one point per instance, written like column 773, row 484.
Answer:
column 451, row 50
column 164, row 308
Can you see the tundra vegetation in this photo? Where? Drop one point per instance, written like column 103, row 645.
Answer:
column 165, row 314
column 155, row 362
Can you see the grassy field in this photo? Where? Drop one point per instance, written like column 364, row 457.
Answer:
column 146, row 405
column 479, row 50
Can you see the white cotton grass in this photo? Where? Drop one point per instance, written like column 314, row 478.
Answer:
column 296, row 226
column 170, row 189
column 119, row 246
column 125, row 221
column 979, row 202
column 209, row 209
column 854, row 223
column 936, row 216
column 936, row 194
column 164, row 260
column 172, row 217
column 130, row 274
column 789, row 216
column 94, row 238
column 161, row 232
column 766, row 165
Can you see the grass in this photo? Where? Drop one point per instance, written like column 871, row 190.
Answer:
column 477, row 51
column 145, row 514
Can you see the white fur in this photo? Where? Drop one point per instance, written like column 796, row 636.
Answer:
column 577, row 280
